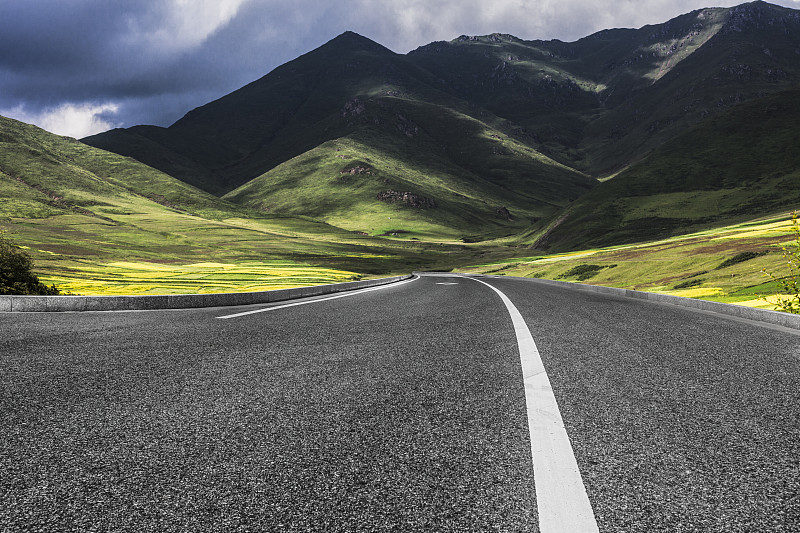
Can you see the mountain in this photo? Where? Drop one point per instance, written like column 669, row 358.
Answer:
column 405, row 140
column 44, row 175
column 491, row 136
column 85, row 213
column 740, row 163
column 606, row 100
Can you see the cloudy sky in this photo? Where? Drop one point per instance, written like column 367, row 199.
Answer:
column 77, row 67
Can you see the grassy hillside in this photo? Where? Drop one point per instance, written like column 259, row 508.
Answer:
column 485, row 126
column 323, row 95
column 744, row 161
column 690, row 124
column 422, row 141
column 723, row 264
column 477, row 181
column 150, row 145
column 76, row 211
column 96, row 222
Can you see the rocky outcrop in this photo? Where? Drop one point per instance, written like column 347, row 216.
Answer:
column 406, row 125
column 353, row 108
column 503, row 212
column 356, row 170
column 758, row 16
column 407, row 198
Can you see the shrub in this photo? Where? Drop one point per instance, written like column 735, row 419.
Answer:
column 16, row 276
column 584, row 272
column 689, row 284
column 739, row 258
column 789, row 298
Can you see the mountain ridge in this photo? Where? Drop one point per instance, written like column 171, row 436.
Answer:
column 537, row 122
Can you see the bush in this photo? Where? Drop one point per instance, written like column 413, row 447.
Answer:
column 584, row 271
column 789, row 299
column 689, row 284
column 739, row 258
column 16, row 276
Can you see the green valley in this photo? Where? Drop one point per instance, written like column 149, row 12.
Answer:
column 97, row 223
column 632, row 157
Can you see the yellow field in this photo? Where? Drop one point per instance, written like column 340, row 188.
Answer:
column 693, row 259
column 120, row 278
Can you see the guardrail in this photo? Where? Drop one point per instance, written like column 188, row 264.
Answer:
column 788, row 320
column 19, row 304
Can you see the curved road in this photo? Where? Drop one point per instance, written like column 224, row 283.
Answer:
column 399, row 409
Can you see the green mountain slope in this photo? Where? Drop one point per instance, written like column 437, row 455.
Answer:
column 476, row 181
column 184, row 157
column 296, row 107
column 750, row 51
column 45, row 174
column 82, row 212
column 483, row 137
column 354, row 90
column 741, row 163
column 606, row 100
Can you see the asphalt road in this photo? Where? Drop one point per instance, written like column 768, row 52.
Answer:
column 401, row 409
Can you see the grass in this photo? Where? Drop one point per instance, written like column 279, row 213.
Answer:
column 98, row 223
column 728, row 169
column 136, row 254
column 466, row 166
column 486, row 123
column 84, row 213
column 197, row 278
column 722, row 264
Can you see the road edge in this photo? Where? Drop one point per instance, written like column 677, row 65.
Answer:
column 778, row 318
column 33, row 304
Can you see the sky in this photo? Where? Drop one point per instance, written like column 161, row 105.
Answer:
column 79, row 67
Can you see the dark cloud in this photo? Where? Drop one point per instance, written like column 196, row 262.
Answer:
column 128, row 62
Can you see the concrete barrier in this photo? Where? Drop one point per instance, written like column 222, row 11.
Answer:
column 788, row 320
column 28, row 304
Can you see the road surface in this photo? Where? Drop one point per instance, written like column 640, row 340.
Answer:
column 397, row 409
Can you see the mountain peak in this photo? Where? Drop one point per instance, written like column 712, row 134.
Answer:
column 349, row 34
column 759, row 6
column 347, row 122
column 760, row 15
column 351, row 41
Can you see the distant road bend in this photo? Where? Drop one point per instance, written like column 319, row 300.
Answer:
column 443, row 403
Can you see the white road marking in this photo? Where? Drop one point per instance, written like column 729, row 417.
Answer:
column 446, row 283
column 560, row 493
column 342, row 295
